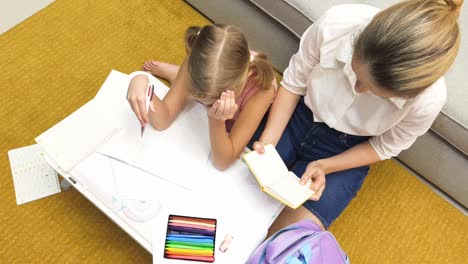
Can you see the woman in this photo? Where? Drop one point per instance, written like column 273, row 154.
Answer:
column 362, row 87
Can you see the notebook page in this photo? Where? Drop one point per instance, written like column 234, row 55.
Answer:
column 267, row 166
column 79, row 135
column 173, row 154
column 180, row 153
column 33, row 178
column 114, row 87
column 187, row 139
column 126, row 145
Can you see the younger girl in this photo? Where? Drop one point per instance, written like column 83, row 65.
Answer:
column 236, row 85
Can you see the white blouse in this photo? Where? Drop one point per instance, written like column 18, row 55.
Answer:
column 321, row 72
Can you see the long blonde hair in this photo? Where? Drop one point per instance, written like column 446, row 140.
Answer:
column 219, row 60
column 410, row 45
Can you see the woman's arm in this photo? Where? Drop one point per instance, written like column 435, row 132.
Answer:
column 357, row 156
column 225, row 147
column 360, row 155
column 161, row 113
column 281, row 111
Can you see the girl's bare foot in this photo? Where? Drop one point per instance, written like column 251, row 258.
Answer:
column 161, row 69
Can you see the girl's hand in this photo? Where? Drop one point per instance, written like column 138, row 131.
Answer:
column 316, row 173
column 259, row 147
column 225, row 108
column 136, row 96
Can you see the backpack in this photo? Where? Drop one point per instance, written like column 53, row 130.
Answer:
column 300, row 243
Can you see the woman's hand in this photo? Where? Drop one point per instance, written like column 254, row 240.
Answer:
column 225, row 108
column 136, row 96
column 315, row 171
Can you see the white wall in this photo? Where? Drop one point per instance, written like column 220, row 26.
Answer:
column 12, row 12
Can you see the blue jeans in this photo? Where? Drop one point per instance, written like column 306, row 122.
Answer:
column 304, row 141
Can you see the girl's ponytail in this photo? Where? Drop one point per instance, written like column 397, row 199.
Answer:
column 263, row 70
column 218, row 60
column 190, row 36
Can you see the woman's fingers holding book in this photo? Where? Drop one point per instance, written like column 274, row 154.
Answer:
column 318, row 193
column 316, row 174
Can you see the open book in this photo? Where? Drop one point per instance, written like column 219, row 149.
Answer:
column 275, row 178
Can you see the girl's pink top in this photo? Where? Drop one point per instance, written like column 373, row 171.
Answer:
column 250, row 88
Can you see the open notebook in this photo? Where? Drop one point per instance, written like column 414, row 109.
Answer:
column 174, row 154
column 107, row 125
column 275, row 178
column 78, row 135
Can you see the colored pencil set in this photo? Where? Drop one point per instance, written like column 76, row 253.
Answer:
column 190, row 238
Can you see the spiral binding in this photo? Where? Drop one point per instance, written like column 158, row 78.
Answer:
column 59, row 158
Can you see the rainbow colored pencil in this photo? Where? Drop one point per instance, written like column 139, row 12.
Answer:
column 190, row 238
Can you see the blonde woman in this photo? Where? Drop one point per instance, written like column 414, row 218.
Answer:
column 362, row 87
column 220, row 71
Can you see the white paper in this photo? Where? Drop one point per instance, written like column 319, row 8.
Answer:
column 33, row 178
column 79, row 135
column 133, row 183
column 114, row 87
column 249, row 193
column 173, row 154
column 100, row 178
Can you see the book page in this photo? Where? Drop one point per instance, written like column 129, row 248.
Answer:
column 267, row 166
column 290, row 190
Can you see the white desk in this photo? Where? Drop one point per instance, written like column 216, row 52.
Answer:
column 98, row 180
column 253, row 205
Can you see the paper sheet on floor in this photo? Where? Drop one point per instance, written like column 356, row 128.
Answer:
column 33, row 178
